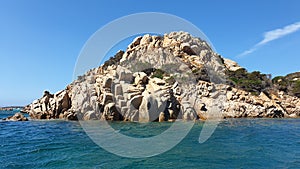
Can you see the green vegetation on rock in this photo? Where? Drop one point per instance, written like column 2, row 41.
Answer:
column 289, row 84
column 158, row 73
column 254, row 82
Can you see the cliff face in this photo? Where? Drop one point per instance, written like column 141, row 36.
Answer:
column 162, row 78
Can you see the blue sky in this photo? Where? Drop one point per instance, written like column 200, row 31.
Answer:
column 41, row 40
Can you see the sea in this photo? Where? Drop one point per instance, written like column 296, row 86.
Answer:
column 236, row 143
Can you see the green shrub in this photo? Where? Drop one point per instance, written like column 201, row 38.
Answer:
column 276, row 79
column 296, row 88
column 158, row 73
column 254, row 82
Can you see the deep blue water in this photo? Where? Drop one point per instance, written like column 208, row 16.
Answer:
column 236, row 143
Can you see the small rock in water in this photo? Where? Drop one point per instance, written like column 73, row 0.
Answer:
column 16, row 117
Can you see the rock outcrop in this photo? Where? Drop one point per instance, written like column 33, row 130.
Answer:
column 51, row 106
column 231, row 65
column 164, row 78
column 16, row 117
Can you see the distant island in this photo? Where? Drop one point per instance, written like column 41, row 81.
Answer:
column 169, row 77
column 11, row 108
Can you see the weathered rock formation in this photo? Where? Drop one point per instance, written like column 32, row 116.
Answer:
column 164, row 78
column 51, row 106
column 16, row 117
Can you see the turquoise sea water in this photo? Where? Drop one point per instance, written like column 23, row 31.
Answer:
column 236, row 143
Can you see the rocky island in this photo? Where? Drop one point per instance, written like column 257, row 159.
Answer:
column 169, row 77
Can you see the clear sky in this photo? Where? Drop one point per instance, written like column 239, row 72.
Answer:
column 41, row 40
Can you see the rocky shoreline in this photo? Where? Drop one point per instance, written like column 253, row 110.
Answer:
column 164, row 78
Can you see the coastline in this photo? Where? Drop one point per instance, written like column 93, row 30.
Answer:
column 169, row 77
column 11, row 108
